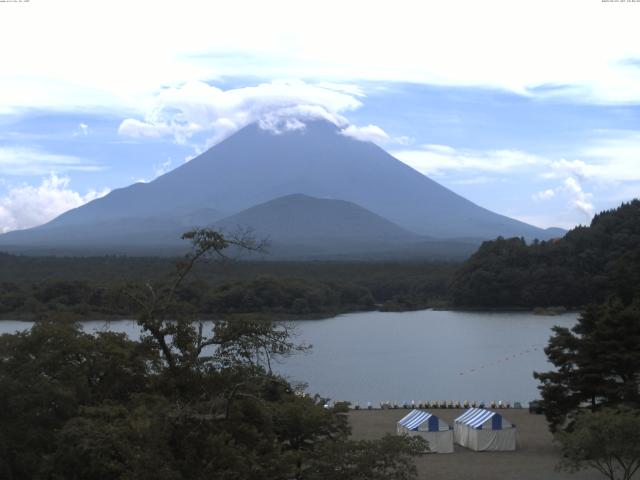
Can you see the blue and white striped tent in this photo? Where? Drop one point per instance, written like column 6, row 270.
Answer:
column 480, row 430
column 422, row 423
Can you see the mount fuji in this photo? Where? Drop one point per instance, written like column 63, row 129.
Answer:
column 343, row 191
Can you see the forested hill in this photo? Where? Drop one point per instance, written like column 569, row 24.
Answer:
column 587, row 265
column 96, row 287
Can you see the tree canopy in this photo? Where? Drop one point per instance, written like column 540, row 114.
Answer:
column 586, row 266
column 608, row 440
column 34, row 288
column 597, row 362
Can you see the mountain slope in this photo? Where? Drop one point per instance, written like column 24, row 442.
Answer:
column 254, row 166
column 139, row 235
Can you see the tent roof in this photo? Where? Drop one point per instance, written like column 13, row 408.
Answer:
column 415, row 418
column 476, row 417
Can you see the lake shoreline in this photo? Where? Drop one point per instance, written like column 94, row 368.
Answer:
column 284, row 317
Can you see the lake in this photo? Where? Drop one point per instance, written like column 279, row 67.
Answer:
column 423, row 355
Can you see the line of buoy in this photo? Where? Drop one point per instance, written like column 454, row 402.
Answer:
column 501, row 360
column 426, row 404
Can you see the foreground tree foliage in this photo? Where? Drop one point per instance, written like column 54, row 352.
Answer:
column 49, row 374
column 608, row 440
column 186, row 401
column 390, row 457
column 597, row 362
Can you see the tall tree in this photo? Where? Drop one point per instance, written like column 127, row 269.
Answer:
column 597, row 362
column 608, row 440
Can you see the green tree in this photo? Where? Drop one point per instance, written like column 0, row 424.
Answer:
column 607, row 440
column 597, row 362
column 49, row 373
column 388, row 458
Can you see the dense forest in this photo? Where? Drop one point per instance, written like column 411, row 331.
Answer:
column 586, row 266
column 96, row 287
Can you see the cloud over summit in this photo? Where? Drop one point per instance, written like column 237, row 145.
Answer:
column 197, row 108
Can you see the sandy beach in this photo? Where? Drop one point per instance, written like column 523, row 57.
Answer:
column 534, row 459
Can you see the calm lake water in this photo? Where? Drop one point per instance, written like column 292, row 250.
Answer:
column 424, row 355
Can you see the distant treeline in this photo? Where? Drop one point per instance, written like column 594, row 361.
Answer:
column 586, row 266
column 103, row 287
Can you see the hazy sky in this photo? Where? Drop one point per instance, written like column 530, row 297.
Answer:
column 528, row 107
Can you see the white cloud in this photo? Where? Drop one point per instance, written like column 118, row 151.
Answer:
column 403, row 140
column 285, row 119
column 131, row 127
column 609, row 164
column 580, row 199
column 375, row 134
column 573, row 174
column 196, row 107
column 31, row 161
column 26, row 206
column 610, row 160
column 368, row 133
column 278, row 106
column 436, row 148
column 437, row 159
column 613, row 157
column 606, row 174
column 162, row 168
column 493, row 43
column 81, row 130
column 159, row 169
column 278, row 125
column 562, row 168
column 544, row 195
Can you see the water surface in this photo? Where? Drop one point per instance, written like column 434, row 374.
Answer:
column 424, row 355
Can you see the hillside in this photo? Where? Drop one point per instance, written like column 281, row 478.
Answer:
column 153, row 235
column 306, row 220
column 585, row 266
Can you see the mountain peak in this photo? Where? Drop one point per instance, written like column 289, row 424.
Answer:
column 313, row 125
column 288, row 127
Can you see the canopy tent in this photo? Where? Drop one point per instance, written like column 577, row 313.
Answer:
column 426, row 425
column 482, row 430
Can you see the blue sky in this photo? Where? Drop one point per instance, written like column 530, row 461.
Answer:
column 522, row 109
